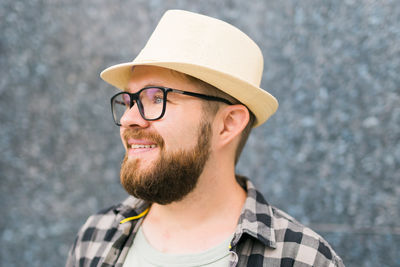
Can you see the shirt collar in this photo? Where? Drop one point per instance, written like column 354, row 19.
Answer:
column 256, row 218
column 131, row 207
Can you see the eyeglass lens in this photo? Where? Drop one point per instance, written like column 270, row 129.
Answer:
column 150, row 104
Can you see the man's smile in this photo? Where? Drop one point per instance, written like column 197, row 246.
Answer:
column 135, row 146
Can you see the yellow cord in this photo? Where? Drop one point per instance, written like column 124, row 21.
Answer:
column 135, row 217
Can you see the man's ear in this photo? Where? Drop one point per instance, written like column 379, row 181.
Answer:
column 231, row 122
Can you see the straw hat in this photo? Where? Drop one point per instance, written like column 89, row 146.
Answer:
column 208, row 49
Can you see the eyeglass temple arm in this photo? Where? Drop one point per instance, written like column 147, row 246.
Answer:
column 206, row 97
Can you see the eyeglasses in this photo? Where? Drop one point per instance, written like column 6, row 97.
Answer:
column 151, row 102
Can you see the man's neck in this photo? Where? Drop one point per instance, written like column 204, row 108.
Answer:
column 203, row 219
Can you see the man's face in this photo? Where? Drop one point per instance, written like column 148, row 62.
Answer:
column 164, row 158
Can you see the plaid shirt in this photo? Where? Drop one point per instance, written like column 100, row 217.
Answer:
column 264, row 236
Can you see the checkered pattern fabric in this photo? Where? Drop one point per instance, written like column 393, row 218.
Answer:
column 265, row 236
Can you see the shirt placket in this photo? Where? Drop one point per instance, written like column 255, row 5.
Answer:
column 117, row 254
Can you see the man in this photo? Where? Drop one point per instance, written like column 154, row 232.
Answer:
column 187, row 105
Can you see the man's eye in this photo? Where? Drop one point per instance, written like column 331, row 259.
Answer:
column 157, row 100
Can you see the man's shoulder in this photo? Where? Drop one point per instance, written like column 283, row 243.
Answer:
column 98, row 227
column 301, row 242
column 275, row 238
column 100, row 231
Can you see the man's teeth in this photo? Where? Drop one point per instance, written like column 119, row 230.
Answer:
column 143, row 146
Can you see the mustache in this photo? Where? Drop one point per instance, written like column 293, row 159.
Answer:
column 143, row 134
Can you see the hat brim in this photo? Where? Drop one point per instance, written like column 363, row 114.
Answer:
column 260, row 102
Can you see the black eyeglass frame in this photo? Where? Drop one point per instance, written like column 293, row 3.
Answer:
column 135, row 97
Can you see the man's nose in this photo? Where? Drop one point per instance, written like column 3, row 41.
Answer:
column 132, row 117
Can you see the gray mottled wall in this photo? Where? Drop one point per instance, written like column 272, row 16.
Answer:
column 330, row 156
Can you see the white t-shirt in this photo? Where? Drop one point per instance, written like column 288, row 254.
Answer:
column 142, row 254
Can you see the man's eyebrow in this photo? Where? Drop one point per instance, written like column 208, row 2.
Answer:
column 155, row 84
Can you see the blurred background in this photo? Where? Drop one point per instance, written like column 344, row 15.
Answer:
column 330, row 156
